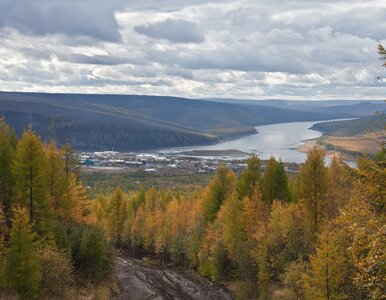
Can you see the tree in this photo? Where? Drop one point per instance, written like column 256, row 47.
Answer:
column 331, row 268
column 339, row 186
column 57, row 272
column 249, row 178
column 220, row 188
column 364, row 219
column 382, row 53
column 56, row 179
column 3, row 236
column 8, row 143
column 118, row 213
column 29, row 172
column 23, row 261
column 313, row 187
column 275, row 182
column 71, row 162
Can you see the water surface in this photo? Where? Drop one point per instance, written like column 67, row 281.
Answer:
column 278, row 140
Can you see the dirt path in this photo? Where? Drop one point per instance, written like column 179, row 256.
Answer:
column 139, row 282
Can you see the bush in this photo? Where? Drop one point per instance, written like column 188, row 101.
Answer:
column 90, row 252
column 57, row 272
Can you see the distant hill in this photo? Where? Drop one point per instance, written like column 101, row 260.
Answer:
column 369, row 124
column 131, row 122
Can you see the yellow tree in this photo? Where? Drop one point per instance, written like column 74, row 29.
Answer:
column 339, row 186
column 56, row 179
column 331, row 269
column 364, row 218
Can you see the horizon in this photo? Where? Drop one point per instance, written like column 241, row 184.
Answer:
column 199, row 49
column 200, row 99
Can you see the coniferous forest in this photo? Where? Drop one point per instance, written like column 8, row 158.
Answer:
column 318, row 234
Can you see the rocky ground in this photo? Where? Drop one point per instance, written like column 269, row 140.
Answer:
column 139, row 282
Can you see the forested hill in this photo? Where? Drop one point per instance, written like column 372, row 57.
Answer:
column 128, row 122
column 353, row 127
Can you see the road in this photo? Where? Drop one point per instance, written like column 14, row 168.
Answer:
column 141, row 282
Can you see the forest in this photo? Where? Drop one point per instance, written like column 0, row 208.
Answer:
column 318, row 234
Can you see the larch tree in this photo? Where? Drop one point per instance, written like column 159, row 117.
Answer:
column 23, row 261
column 29, row 172
column 313, row 188
column 249, row 178
column 275, row 182
column 220, row 188
column 8, row 143
column 117, row 216
column 3, row 237
column 331, row 268
column 365, row 220
column 71, row 162
column 56, row 179
column 339, row 186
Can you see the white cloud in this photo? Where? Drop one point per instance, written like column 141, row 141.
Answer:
column 196, row 48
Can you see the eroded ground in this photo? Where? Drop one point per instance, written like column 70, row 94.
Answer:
column 140, row 282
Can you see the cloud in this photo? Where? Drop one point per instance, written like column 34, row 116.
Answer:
column 176, row 31
column 93, row 19
column 298, row 49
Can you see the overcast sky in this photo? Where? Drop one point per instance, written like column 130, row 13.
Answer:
column 250, row 49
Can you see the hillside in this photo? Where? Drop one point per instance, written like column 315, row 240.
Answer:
column 129, row 122
column 368, row 124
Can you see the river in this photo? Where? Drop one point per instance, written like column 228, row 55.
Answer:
column 279, row 140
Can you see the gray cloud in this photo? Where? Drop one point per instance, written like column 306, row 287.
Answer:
column 73, row 18
column 177, row 31
column 194, row 48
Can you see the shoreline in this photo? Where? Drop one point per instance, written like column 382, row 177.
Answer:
column 309, row 144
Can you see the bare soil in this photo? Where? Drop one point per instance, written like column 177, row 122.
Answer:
column 139, row 282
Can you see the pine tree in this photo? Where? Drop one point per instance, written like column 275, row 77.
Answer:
column 23, row 261
column 313, row 187
column 249, row 178
column 29, row 172
column 8, row 143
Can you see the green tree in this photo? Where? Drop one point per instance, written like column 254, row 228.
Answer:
column 8, row 143
column 23, row 261
column 118, row 216
column 3, row 236
column 71, row 162
column 29, row 172
column 313, row 188
column 275, row 182
column 249, row 178
column 220, row 188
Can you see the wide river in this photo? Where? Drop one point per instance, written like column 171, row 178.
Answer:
column 280, row 140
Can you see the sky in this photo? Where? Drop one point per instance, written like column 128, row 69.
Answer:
column 247, row 49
